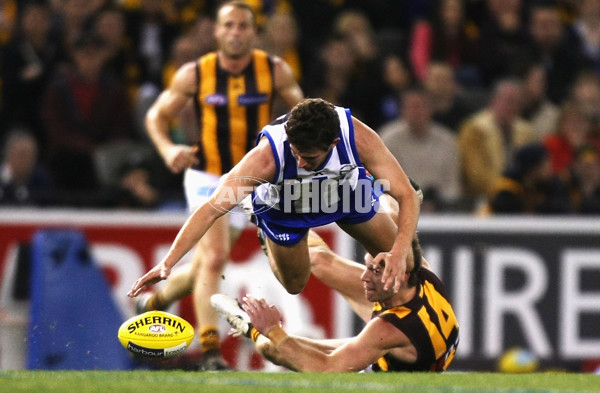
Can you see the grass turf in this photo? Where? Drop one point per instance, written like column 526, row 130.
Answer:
column 246, row 382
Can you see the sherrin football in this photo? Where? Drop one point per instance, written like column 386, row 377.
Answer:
column 156, row 334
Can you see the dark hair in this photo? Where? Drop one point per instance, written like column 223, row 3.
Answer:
column 312, row 124
column 528, row 157
column 238, row 4
column 413, row 277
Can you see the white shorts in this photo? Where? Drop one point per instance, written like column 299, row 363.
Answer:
column 198, row 187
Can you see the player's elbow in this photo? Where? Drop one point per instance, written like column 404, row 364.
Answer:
column 267, row 350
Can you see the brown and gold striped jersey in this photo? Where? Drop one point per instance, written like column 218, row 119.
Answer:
column 231, row 110
column 429, row 322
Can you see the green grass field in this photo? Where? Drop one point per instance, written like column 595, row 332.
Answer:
column 245, row 382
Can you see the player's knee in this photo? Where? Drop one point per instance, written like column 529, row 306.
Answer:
column 295, row 285
column 214, row 261
column 294, row 288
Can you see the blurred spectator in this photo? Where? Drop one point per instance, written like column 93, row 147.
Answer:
column 397, row 78
column 366, row 82
column 487, row 139
column 110, row 25
column 314, row 19
column 586, row 28
column 529, row 186
column 585, row 93
column 191, row 11
column 502, row 41
column 71, row 20
column 451, row 105
column 572, row 132
column 355, row 26
column 537, row 107
column 22, row 180
column 569, row 10
column 85, row 107
column 133, row 188
column 153, row 28
column 585, row 179
column 25, row 67
column 426, row 150
column 8, row 20
column 264, row 9
column 280, row 37
column 551, row 45
column 329, row 78
column 201, row 32
column 446, row 37
column 388, row 15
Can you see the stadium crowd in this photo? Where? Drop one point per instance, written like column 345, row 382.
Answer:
column 492, row 106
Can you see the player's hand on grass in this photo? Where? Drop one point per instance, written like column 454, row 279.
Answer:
column 157, row 273
column 394, row 272
column 263, row 316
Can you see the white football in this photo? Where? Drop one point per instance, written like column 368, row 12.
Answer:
column 156, row 334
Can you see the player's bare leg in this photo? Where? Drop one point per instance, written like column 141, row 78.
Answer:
column 290, row 265
column 212, row 253
column 376, row 235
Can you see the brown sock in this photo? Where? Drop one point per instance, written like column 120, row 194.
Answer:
column 157, row 302
column 209, row 339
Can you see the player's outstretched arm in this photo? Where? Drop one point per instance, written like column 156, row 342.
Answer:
column 258, row 164
column 384, row 167
column 302, row 354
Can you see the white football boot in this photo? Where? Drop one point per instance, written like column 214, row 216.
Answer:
column 233, row 313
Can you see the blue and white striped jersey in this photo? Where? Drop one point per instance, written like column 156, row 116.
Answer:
column 297, row 197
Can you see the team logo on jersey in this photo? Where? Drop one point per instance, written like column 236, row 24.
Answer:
column 216, row 99
column 240, row 190
column 252, row 99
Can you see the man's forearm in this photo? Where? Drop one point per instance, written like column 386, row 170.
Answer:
column 297, row 353
column 158, row 131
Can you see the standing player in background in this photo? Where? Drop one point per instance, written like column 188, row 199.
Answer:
column 233, row 90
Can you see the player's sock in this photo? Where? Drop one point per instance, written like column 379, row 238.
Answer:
column 209, row 339
column 157, row 302
column 210, row 347
column 151, row 302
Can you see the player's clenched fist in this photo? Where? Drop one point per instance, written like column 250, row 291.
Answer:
column 179, row 157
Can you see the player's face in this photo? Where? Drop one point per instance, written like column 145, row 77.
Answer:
column 310, row 160
column 371, row 279
column 235, row 32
